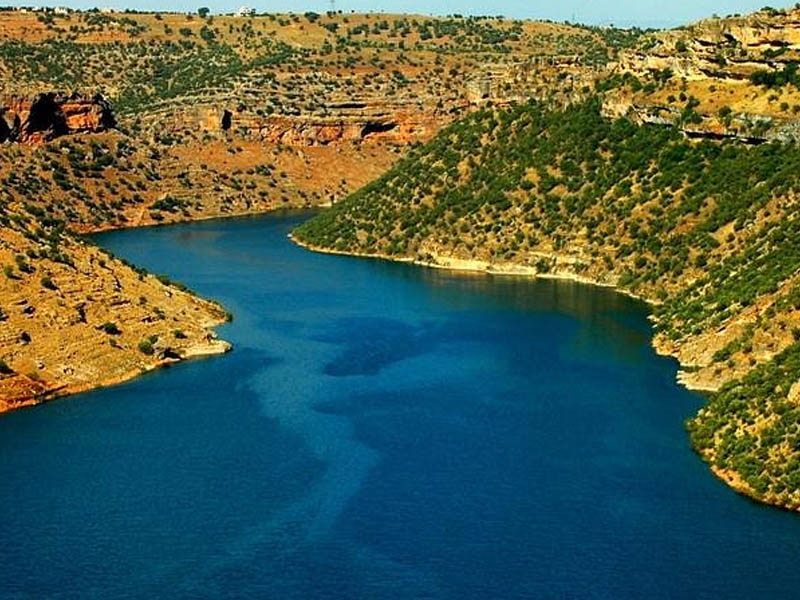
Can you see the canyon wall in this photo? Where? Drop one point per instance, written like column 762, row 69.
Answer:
column 353, row 122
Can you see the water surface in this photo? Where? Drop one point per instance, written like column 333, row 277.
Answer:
column 380, row 431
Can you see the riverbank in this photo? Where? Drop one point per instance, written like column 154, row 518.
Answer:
column 91, row 321
column 82, row 357
column 33, row 392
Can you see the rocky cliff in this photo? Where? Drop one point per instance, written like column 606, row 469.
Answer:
column 706, row 78
column 46, row 116
column 723, row 48
column 340, row 122
column 398, row 108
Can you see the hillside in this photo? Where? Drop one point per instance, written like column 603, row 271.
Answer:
column 272, row 74
column 74, row 317
column 228, row 115
column 705, row 231
column 676, row 183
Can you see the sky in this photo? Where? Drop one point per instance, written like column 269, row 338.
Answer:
column 623, row 13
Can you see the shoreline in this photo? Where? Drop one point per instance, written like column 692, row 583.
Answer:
column 41, row 392
column 213, row 347
column 35, row 392
column 476, row 266
column 89, row 232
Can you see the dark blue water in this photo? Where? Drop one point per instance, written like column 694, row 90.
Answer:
column 380, row 431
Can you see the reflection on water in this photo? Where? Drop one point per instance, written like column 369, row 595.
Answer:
column 517, row 293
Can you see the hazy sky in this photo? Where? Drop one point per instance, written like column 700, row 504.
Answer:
column 664, row 13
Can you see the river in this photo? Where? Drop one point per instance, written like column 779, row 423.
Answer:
column 380, row 431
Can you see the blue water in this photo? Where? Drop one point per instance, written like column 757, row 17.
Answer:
column 380, row 431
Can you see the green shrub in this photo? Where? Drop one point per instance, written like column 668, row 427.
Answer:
column 110, row 328
column 146, row 347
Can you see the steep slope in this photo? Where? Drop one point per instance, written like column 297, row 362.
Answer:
column 707, row 232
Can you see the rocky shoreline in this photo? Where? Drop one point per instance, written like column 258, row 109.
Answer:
column 95, row 322
column 43, row 393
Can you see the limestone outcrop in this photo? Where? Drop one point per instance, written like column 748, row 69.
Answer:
column 346, row 122
column 700, row 78
column 321, row 131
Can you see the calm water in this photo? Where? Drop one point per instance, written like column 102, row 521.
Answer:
column 380, row 431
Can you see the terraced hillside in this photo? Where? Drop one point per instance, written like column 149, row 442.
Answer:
column 706, row 231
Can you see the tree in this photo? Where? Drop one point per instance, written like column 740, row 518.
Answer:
column 110, row 328
column 203, row 12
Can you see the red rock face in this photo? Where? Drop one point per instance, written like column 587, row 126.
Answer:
column 397, row 127
column 364, row 124
column 48, row 116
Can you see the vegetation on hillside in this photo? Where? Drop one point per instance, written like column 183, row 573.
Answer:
column 171, row 77
column 139, row 61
